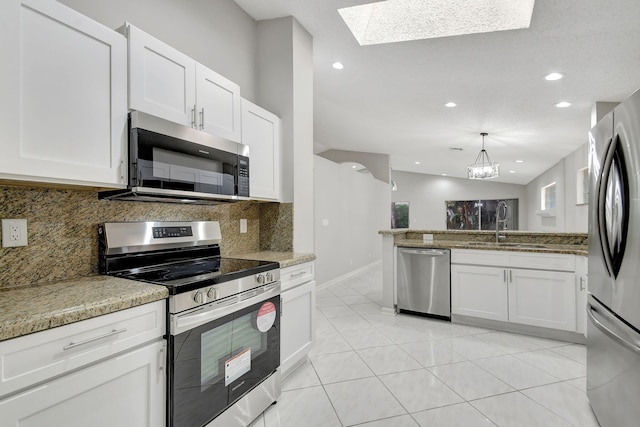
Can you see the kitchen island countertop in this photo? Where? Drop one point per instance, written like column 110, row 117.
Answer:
column 28, row 309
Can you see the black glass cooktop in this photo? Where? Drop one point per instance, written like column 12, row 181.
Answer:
column 184, row 276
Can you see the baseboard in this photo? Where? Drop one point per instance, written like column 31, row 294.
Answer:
column 332, row 282
column 536, row 331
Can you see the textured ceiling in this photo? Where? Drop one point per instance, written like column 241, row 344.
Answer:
column 390, row 98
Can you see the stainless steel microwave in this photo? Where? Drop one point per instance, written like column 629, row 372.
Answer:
column 170, row 162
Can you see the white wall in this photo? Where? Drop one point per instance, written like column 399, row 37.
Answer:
column 286, row 88
column 218, row 34
column 569, row 217
column 427, row 194
column 356, row 207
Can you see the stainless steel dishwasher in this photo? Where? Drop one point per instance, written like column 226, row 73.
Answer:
column 424, row 281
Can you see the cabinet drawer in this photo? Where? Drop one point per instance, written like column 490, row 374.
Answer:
column 30, row 359
column 538, row 261
column 479, row 257
column 296, row 275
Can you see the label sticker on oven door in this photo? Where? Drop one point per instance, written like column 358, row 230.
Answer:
column 237, row 366
column 266, row 316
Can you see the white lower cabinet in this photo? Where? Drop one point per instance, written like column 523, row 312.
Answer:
column 542, row 298
column 126, row 390
column 479, row 292
column 527, row 296
column 297, row 324
column 102, row 372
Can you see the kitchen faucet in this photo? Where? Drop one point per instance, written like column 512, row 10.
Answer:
column 501, row 209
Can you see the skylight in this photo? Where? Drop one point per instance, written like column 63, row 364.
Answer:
column 403, row 20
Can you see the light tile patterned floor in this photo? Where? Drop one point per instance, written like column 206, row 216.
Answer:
column 370, row 369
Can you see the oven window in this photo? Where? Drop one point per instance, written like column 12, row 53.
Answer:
column 215, row 347
column 215, row 364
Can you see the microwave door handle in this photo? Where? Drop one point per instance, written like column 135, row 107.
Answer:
column 601, row 199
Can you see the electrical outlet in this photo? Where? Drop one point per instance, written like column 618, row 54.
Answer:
column 14, row 232
column 243, row 225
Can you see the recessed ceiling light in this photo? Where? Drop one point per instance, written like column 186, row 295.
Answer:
column 403, row 20
column 417, row 163
column 512, row 171
column 444, row 174
column 519, row 161
column 337, row 65
column 353, row 166
column 450, row 104
column 563, row 104
column 553, row 76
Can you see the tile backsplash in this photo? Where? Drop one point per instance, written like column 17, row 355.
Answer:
column 62, row 229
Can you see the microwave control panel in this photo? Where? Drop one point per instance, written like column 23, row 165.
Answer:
column 243, row 176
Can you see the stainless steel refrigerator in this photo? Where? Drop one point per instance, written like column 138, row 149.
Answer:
column 613, row 308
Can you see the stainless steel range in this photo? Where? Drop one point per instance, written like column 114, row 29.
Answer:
column 223, row 318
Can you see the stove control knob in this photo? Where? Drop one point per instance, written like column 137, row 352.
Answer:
column 269, row 277
column 260, row 279
column 212, row 293
column 198, row 297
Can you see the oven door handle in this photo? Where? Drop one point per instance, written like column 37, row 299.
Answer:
column 192, row 319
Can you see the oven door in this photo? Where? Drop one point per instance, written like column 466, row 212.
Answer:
column 220, row 352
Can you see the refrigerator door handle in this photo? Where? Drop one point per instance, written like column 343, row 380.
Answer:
column 611, row 326
column 601, row 197
column 613, row 207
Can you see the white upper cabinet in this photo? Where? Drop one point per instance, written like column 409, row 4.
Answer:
column 218, row 101
column 166, row 83
column 261, row 132
column 161, row 78
column 63, row 111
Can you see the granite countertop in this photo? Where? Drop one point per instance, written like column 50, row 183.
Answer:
column 489, row 246
column 28, row 309
column 515, row 240
column 285, row 259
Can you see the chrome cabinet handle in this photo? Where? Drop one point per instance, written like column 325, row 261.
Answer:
column 293, row 276
column 510, row 276
column 582, row 287
column 193, row 116
column 202, row 118
column 90, row 340
column 504, row 274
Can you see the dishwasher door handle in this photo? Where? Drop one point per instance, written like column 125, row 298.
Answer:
column 428, row 252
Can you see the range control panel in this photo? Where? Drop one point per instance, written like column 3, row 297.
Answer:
column 164, row 232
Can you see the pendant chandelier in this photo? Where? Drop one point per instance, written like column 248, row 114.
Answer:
column 483, row 167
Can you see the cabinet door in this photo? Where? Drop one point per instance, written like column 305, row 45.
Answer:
column 161, row 79
column 261, row 132
column 542, row 298
column 218, row 102
column 63, row 81
column 127, row 390
column 297, row 324
column 479, row 292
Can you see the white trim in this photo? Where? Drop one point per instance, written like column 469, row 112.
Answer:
column 332, row 282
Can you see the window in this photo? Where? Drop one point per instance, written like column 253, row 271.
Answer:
column 479, row 214
column 548, row 197
column 582, row 186
column 400, row 215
